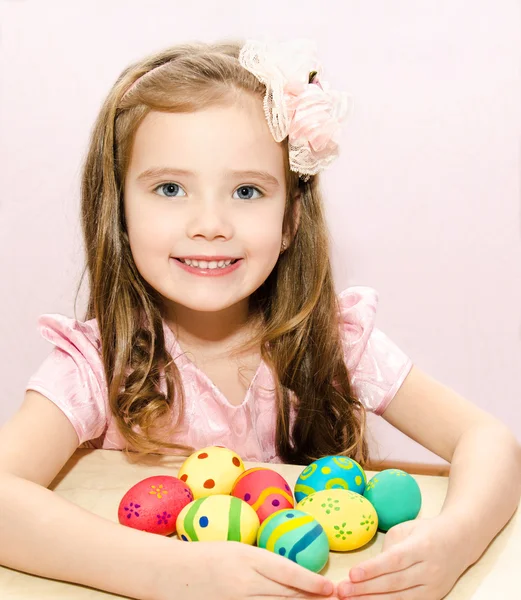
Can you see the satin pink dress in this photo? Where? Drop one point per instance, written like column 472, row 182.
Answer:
column 72, row 377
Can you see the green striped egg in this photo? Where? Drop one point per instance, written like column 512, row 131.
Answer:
column 297, row 536
column 218, row 518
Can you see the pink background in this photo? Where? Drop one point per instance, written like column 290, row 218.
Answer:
column 423, row 202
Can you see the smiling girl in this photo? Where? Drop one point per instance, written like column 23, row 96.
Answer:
column 213, row 320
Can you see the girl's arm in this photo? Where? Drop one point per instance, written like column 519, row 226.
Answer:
column 428, row 556
column 44, row 534
column 485, row 473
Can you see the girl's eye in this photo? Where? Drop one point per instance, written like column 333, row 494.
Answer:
column 246, row 192
column 170, row 190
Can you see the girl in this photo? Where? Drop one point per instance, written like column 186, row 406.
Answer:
column 212, row 319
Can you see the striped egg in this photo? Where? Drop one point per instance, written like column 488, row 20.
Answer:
column 211, row 470
column 265, row 490
column 296, row 535
column 218, row 518
column 330, row 472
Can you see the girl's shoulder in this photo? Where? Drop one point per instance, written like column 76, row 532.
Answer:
column 64, row 332
column 72, row 375
column 359, row 300
column 377, row 366
column 357, row 316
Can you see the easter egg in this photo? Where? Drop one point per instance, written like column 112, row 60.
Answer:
column 297, row 536
column 218, row 518
column 265, row 490
column 349, row 519
column 396, row 497
column 330, row 472
column 154, row 504
column 211, row 471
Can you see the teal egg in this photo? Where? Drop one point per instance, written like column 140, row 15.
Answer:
column 330, row 472
column 396, row 497
column 297, row 536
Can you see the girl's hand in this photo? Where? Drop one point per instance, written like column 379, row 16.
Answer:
column 420, row 560
column 233, row 571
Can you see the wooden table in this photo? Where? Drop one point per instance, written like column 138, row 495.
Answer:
column 98, row 479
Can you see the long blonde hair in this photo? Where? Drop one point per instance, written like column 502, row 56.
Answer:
column 297, row 302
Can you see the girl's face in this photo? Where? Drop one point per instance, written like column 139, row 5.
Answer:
column 206, row 184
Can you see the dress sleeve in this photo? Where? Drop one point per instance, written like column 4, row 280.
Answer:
column 72, row 375
column 377, row 367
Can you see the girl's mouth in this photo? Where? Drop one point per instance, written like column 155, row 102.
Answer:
column 211, row 268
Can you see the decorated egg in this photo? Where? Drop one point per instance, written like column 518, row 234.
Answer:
column 265, row 490
column 396, row 497
column 154, row 504
column 297, row 536
column 330, row 472
column 349, row 519
column 218, row 518
column 211, row 471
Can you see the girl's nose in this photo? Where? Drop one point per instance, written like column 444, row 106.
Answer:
column 210, row 219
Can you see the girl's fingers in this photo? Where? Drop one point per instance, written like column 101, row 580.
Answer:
column 408, row 594
column 390, row 582
column 287, row 573
column 272, row 590
column 397, row 558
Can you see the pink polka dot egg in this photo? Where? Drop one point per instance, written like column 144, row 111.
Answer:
column 265, row 490
column 211, row 470
column 154, row 504
column 218, row 517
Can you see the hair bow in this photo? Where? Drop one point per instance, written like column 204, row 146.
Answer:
column 297, row 103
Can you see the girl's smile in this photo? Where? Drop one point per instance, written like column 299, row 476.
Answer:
column 213, row 268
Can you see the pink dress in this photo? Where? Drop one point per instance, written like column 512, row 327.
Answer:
column 72, row 377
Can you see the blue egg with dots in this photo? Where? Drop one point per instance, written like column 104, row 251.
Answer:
column 329, row 473
column 295, row 535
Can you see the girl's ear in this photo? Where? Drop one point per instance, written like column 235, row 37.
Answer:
column 296, row 214
column 296, row 220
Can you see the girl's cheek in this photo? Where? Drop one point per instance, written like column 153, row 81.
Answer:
column 150, row 216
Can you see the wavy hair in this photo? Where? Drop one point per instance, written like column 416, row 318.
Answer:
column 299, row 339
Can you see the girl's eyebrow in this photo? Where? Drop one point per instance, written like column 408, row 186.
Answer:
column 261, row 175
column 154, row 172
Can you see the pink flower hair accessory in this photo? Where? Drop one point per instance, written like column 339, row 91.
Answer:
column 297, row 103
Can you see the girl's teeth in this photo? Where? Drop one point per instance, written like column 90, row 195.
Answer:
column 203, row 264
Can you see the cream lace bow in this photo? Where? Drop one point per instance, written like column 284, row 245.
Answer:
column 298, row 104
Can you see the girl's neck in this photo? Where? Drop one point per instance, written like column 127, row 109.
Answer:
column 211, row 334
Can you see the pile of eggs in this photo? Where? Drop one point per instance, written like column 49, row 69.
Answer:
column 215, row 498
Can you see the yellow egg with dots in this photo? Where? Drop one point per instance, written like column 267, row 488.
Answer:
column 212, row 470
column 349, row 520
